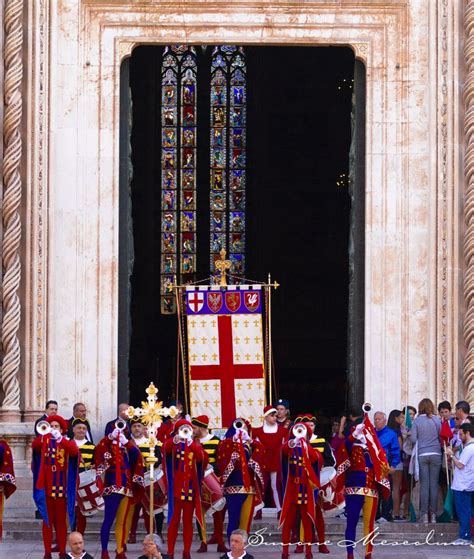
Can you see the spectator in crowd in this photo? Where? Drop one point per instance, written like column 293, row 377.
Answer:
column 50, row 409
column 463, row 482
column 238, row 541
column 395, row 421
column 445, row 413
column 152, row 547
column 79, row 411
column 461, row 414
column 425, row 431
column 407, row 450
column 76, row 545
column 389, row 442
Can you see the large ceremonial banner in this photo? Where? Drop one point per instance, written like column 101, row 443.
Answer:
column 225, row 353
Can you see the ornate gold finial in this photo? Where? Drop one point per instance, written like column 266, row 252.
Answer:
column 151, row 390
column 223, row 265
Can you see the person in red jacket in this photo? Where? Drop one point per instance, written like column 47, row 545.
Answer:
column 301, row 481
column 7, row 478
column 121, row 463
column 185, row 462
column 271, row 435
column 54, row 478
column 238, row 461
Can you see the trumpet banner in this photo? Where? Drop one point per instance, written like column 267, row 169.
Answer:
column 225, row 353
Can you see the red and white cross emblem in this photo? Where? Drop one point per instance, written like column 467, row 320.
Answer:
column 227, row 372
column 195, row 301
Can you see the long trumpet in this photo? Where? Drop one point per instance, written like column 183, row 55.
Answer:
column 43, row 428
column 121, row 424
column 185, row 432
column 238, row 424
column 367, row 407
column 300, row 431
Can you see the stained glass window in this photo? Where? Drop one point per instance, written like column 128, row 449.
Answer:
column 228, row 157
column 178, row 170
column 179, row 159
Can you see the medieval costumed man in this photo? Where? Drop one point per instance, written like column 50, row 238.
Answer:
column 79, row 427
column 209, row 443
column 329, row 461
column 302, row 462
column 138, row 431
column 121, row 464
column 271, row 435
column 362, row 469
column 54, row 480
column 184, row 463
column 238, row 461
column 7, row 478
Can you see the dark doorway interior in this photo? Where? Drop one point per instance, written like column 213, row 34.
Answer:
column 298, row 216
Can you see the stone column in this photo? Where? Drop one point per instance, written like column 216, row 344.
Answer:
column 12, row 191
column 468, row 372
column 19, row 436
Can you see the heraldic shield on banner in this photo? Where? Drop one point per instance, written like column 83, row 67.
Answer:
column 225, row 346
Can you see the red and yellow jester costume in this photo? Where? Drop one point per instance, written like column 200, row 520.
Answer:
column 185, row 462
column 301, row 481
column 7, row 478
column 54, row 478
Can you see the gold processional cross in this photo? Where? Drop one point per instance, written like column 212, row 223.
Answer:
column 223, row 265
column 151, row 414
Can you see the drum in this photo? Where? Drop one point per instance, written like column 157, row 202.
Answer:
column 213, row 498
column 160, row 492
column 89, row 497
column 331, row 500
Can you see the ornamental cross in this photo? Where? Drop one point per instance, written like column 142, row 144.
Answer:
column 223, row 265
column 151, row 414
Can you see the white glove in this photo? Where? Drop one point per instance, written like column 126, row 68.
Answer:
column 357, row 434
column 241, row 433
column 123, row 439
column 56, row 435
column 115, row 433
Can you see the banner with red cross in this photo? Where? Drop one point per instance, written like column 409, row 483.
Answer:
column 226, row 353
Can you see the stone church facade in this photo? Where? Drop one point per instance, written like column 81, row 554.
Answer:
column 60, row 213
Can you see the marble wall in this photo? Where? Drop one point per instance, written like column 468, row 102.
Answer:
column 414, row 183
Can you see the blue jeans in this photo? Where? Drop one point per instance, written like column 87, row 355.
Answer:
column 464, row 503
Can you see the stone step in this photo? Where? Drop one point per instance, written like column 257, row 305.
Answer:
column 265, row 530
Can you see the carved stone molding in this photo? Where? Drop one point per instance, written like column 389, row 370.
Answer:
column 36, row 232
column 13, row 24
column 468, row 372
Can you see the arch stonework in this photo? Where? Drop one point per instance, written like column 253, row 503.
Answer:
column 414, row 183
